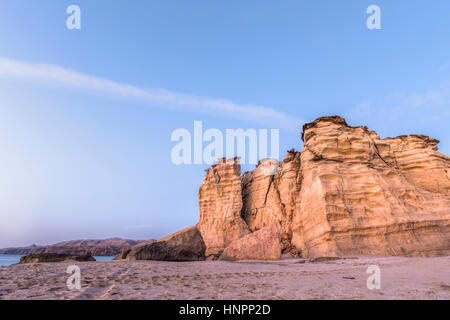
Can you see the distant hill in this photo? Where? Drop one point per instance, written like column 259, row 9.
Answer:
column 107, row 247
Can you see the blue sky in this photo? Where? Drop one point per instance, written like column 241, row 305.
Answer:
column 79, row 159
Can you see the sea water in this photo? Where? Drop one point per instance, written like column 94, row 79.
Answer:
column 102, row 258
column 10, row 259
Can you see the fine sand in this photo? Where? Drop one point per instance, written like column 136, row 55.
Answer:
column 401, row 278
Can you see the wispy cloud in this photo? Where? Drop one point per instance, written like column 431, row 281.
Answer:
column 423, row 112
column 432, row 102
column 52, row 74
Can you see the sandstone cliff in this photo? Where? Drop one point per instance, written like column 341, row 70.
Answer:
column 220, row 200
column 348, row 192
column 364, row 195
column 271, row 196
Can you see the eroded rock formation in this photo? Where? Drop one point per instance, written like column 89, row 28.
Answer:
column 184, row 245
column 220, row 200
column 364, row 195
column 270, row 196
column 348, row 192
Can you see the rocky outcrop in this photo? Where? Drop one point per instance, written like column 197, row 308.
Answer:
column 263, row 244
column 126, row 251
column 348, row 192
column 270, row 193
column 220, row 201
column 123, row 254
column 107, row 247
column 53, row 257
column 364, row 195
column 185, row 245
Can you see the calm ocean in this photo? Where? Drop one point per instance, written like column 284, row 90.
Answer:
column 9, row 259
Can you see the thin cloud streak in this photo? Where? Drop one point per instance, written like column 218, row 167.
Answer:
column 429, row 103
column 427, row 112
column 52, row 74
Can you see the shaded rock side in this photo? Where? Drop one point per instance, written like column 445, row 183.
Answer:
column 125, row 251
column 271, row 196
column 123, row 254
column 263, row 244
column 184, row 245
column 364, row 195
column 220, row 201
column 53, row 257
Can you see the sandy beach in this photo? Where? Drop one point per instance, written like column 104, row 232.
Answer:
column 401, row 278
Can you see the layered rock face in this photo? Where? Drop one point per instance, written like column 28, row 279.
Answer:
column 348, row 192
column 270, row 196
column 220, row 200
column 364, row 195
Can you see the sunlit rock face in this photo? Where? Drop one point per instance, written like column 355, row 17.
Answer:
column 348, row 192
column 220, row 201
column 271, row 198
column 364, row 195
